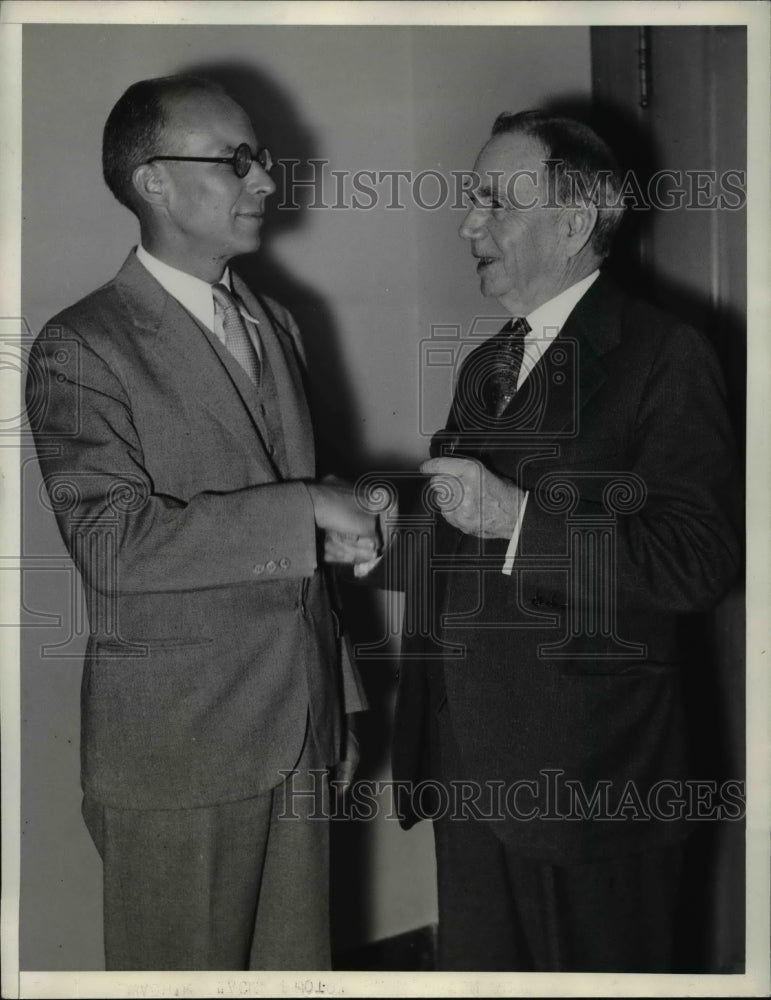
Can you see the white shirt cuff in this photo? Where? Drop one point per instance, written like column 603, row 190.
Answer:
column 364, row 569
column 508, row 562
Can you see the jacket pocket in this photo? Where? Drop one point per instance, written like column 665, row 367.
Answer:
column 621, row 669
column 141, row 647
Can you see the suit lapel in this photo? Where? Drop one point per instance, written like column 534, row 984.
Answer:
column 204, row 368
column 571, row 371
column 240, row 381
column 281, row 355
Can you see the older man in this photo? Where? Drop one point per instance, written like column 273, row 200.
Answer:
column 587, row 492
column 175, row 443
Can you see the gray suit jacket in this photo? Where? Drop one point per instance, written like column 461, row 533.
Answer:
column 182, row 500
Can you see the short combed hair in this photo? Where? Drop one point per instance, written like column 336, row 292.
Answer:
column 134, row 129
column 579, row 156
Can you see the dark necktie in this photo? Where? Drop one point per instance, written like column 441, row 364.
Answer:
column 505, row 364
column 237, row 339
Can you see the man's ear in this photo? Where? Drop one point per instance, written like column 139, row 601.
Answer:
column 149, row 184
column 578, row 224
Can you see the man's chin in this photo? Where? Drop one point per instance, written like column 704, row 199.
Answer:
column 245, row 247
column 488, row 289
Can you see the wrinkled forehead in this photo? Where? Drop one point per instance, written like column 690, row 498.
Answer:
column 205, row 118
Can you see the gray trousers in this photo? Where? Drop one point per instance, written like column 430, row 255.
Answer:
column 228, row 887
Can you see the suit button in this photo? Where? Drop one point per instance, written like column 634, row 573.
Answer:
column 271, row 450
column 284, row 563
column 270, row 566
column 259, row 568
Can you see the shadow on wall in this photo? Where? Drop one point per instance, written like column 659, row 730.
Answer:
column 279, row 125
column 634, row 267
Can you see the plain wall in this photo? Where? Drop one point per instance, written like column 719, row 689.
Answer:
column 366, row 286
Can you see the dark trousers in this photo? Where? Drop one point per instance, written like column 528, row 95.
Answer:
column 501, row 911
column 228, row 887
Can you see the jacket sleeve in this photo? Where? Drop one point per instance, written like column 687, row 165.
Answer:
column 122, row 534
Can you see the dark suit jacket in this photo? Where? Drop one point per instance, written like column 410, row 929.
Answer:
column 181, row 498
column 571, row 665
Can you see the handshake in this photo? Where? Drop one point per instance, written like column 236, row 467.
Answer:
column 472, row 499
column 352, row 535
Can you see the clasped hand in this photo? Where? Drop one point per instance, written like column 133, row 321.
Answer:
column 469, row 497
column 351, row 534
column 473, row 499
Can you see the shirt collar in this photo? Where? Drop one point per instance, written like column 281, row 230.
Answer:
column 191, row 292
column 552, row 315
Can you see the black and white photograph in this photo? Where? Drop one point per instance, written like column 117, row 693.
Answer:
column 385, row 499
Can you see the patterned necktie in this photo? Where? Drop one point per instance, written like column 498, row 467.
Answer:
column 501, row 382
column 237, row 339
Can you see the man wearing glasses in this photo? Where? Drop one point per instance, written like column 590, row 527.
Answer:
column 175, row 444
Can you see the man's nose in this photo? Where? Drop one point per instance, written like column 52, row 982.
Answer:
column 474, row 223
column 259, row 181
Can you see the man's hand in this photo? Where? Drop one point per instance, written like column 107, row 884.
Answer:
column 354, row 550
column 336, row 509
column 478, row 502
column 358, row 551
column 352, row 534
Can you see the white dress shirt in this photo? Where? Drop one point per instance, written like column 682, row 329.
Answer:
column 545, row 324
column 196, row 296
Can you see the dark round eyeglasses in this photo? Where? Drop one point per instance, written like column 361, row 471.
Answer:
column 241, row 161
